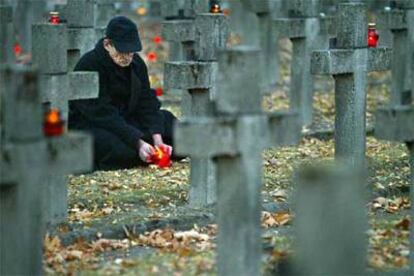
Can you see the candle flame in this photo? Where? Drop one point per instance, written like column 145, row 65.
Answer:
column 215, row 8
column 161, row 158
column 53, row 124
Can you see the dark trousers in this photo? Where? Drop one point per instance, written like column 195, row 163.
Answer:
column 111, row 153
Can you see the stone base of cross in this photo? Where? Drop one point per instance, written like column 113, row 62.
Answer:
column 235, row 139
column 27, row 159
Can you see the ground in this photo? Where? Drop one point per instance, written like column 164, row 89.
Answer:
column 137, row 222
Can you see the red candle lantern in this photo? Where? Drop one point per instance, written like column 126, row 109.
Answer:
column 215, row 8
column 159, row 91
column 161, row 158
column 54, row 18
column 53, row 125
column 17, row 49
column 152, row 56
column 157, row 40
column 373, row 35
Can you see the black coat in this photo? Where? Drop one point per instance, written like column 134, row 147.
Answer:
column 126, row 106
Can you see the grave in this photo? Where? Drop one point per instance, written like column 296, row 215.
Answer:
column 268, row 40
column 399, row 21
column 26, row 159
column 307, row 31
column 227, row 139
column 348, row 63
column 243, row 23
column 57, row 88
column 330, row 232
column 81, row 33
column 27, row 12
column 6, row 33
column 198, row 79
column 105, row 11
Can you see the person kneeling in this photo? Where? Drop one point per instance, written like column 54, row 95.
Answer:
column 125, row 120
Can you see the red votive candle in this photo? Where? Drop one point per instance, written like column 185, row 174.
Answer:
column 54, row 18
column 373, row 35
column 53, row 125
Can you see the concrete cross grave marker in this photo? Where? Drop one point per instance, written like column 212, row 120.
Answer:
column 26, row 159
column 235, row 140
column 6, row 34
column 268, row 41
column 349, row 63
column 105, row 10
column 401, row 23
column 57, row 88
column 80, row 16
column 243, row 23
column 330, row 221
column 27, row 12
column 307, row 31
column 178, row 30
column 198, row 79
column 396, row 123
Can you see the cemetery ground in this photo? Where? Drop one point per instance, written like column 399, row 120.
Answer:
column 137, row 221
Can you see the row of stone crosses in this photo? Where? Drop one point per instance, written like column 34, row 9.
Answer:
column 224, row 130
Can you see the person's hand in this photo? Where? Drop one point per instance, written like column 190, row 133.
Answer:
column 145, row 151
column 160, row 144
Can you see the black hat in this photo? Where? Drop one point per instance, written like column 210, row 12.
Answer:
column 124, row 35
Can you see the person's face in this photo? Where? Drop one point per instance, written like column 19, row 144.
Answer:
column 121, row 59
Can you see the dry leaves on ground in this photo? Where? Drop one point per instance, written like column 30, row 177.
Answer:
column 275, row 219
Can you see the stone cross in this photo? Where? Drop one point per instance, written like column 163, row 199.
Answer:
column 243, row 23
column 6, row 18
column 268, row 41
column 105, row 10
column 395, row 123
column 330, row 221
column 401, row 23
column 80, row 15
column 50, row 44
column 349, row 63
column 235, row 139
column 26, row 159
column 304, row 27
column 57, row 88
column 198, row 79
column 27, row 12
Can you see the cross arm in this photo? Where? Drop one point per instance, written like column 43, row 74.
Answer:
column 189, row 74
column 343, row 61
column 71, row 153
column 83, row 85
column 206, row 137
column 395, row 123
column 290, row 27
column 178, row 30
column 394, row 19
